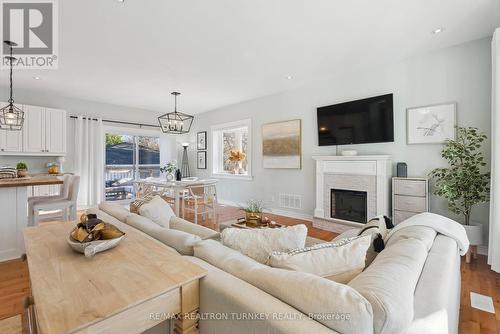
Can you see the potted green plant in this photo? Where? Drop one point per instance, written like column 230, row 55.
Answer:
column 170, row 169
column 253, row 212
column 464, row 183
column 22, row 169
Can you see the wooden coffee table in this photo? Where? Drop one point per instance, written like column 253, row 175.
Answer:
column 127, row 289
column 240, row 223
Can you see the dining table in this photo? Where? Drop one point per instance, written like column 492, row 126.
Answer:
column 178, row 187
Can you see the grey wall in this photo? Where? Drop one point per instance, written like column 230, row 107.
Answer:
column 461, row 73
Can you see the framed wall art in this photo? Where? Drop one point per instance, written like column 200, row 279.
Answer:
column 201, row 160
column 432, row 124
column 282, row 144
column 201, row 140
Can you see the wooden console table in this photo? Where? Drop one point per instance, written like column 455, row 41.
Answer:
column 128, row 289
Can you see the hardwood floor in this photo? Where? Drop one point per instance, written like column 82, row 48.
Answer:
column 476, row 277
column 14, row 287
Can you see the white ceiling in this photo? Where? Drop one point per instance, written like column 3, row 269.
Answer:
column 219, row 52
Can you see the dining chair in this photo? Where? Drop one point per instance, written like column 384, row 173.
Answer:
column 200, row 199
column 66, row 205
column 168, row 195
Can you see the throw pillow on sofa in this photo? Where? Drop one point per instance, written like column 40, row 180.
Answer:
column 260, row 243
column 339, row 261
column 158, row 211
column 144, row 198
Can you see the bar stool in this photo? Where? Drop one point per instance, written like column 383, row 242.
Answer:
column 63, row 193
column 66, row 205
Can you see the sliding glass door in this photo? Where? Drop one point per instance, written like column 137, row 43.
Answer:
column 129, row 158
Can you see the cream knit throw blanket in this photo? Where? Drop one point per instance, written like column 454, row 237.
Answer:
column 440, row 224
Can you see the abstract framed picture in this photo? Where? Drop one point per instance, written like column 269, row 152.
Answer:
column 432, row 124
column 282, row 144
column 201, row 140
column 201, row 160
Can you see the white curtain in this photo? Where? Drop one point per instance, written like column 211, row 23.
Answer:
column 494, row 239
column 89, row 156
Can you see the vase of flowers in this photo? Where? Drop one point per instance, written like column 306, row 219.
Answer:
column 22, row 169
column 169, row 169
column 464, row 183
column 237, row 157
column 253, row 212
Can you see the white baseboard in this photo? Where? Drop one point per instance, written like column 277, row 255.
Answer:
column 281, row 212
column 291, row 214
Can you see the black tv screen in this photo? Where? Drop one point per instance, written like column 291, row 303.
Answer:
column 358, row 122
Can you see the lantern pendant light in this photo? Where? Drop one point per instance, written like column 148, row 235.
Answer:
column 175, row 122
column 11, row 117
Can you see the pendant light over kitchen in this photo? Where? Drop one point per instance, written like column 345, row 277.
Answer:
column 11, row 117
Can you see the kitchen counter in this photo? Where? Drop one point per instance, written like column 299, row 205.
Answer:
column 30, row 181
column 14, row 212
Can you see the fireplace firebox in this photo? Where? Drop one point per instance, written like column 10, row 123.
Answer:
column 349, row 205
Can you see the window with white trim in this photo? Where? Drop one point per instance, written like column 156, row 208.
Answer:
column 231, row 153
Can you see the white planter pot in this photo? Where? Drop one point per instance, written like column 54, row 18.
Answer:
column 474, row 233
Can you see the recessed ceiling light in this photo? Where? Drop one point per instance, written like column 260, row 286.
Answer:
column 36, row 77
column 120, row 0
column 289, row 77
column 437, row 31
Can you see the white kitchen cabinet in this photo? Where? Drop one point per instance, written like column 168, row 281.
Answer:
column 43, row 133
column 11, row 141
column 34, row 129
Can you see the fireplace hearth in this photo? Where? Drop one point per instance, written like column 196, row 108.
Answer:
column 349, row 205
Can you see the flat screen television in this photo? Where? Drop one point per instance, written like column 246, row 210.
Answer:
column 357, row 122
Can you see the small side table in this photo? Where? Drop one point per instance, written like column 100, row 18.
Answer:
column 410, row 196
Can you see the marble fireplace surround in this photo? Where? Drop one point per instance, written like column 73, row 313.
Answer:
column 370, row 173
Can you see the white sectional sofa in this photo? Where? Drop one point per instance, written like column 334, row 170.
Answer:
column 412, row 286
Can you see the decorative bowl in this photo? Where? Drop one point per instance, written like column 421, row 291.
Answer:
column 349, row 153
column 93, row 247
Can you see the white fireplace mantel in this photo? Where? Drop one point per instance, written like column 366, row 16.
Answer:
column 354, row 172
column 351, row 158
